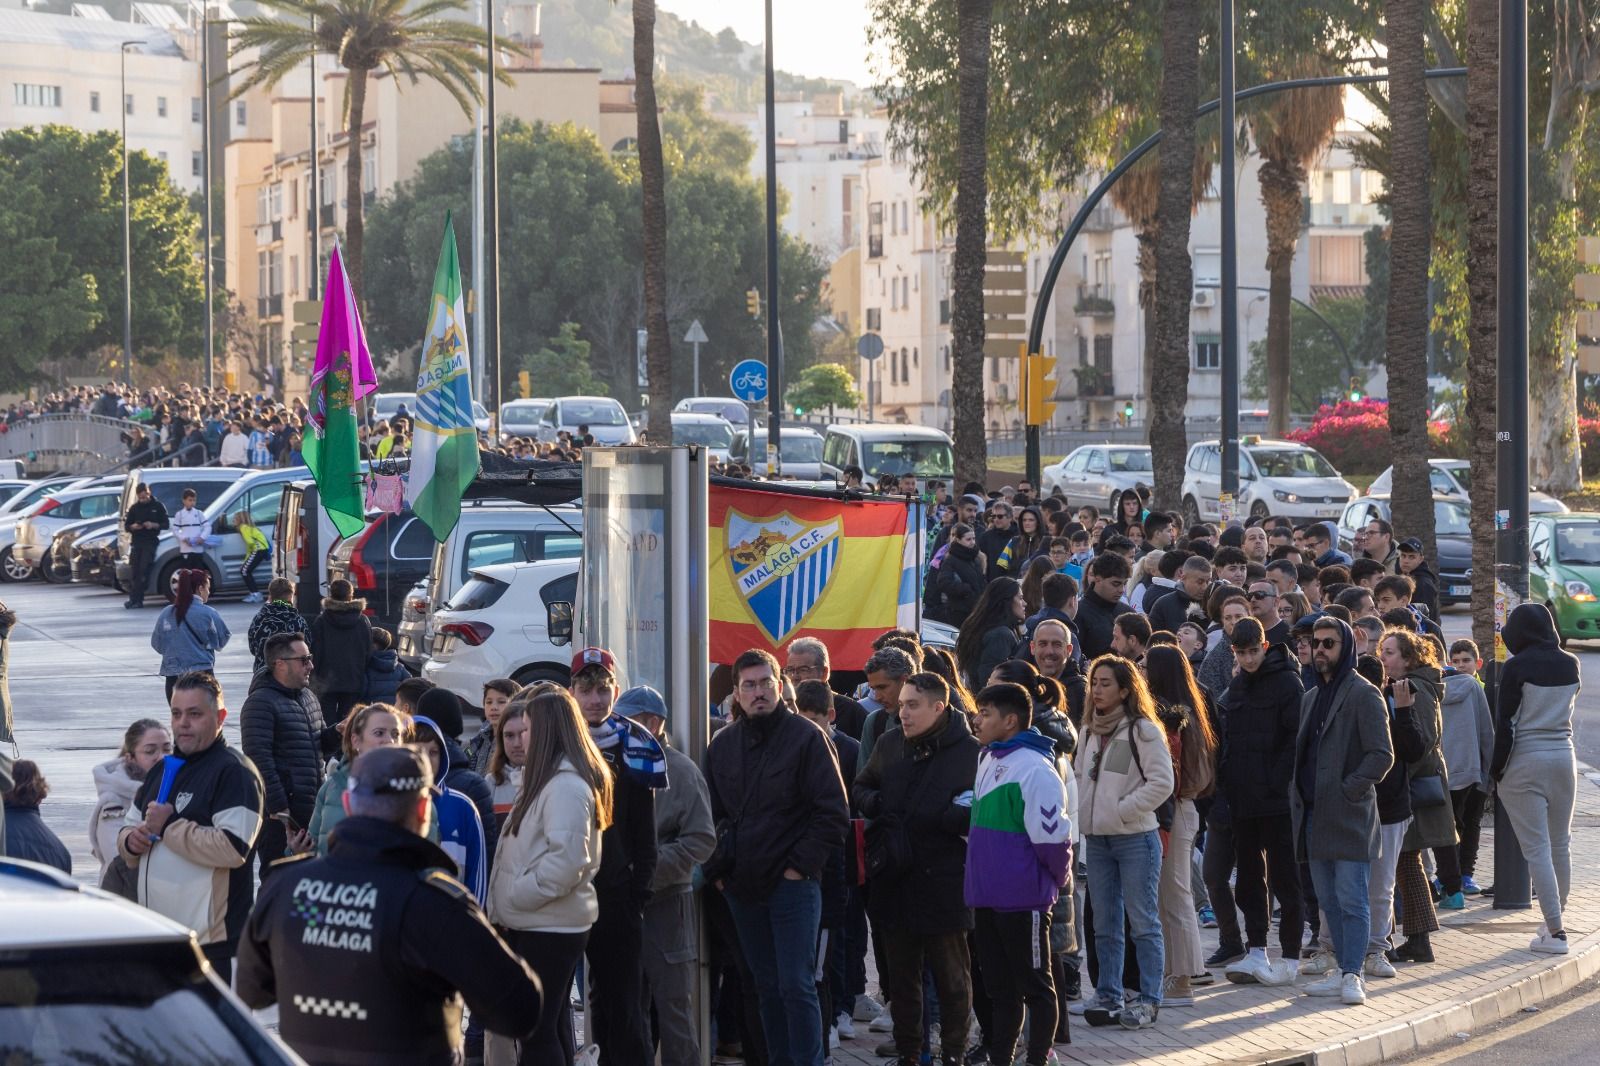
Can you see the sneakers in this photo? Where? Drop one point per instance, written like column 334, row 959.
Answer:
column 1208, row 918
column 1378, row 966
column 883, row 1023
column 1352, row 992
column 866, row 1009
column 1253, row 969
column 1203, row 980
column 1549, row 944
column 1453, row 901
column 833, row 1038
column 1176, row 992
column 1099, row 1014
column 1225, row 954
column 252, row 597
column 1469, row 887
column 1140, row 1015
column 886, row 1050
column 1329, row 984
column 846, row 1026
column 1320, row 963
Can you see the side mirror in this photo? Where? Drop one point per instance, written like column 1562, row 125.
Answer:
column 558, row 622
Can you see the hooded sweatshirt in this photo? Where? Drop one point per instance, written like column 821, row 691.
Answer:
column 1333, row 556
column 114, row 790
column 1538, row 689
column 341, row 640
column 1467, row 738
column 1024, row 546
column 461, row 831
column 1019, row 848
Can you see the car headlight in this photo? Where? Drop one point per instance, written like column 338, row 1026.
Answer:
column 1580, row 592
column 1284, row 497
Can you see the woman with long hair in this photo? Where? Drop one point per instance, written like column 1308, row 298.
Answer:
column 374, row 725
column 541, row 891
column 1293, row 606
column 1029, row 540
column 1182, row 709
column 941, row 661
column 1130, row 511
column 510, row 751
column 1125, row 775
column 991, row 632
column 188, row 633
column 1033, row 577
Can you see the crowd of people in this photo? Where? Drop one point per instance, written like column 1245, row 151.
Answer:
column 1142, row 730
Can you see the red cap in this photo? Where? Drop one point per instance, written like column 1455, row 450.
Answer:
column 594, row 657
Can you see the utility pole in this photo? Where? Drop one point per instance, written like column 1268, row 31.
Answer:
column 316, row 180
column 774, row 336
column 1230, row 264
column 205, row 178
column 491, row 230
column 127, row 232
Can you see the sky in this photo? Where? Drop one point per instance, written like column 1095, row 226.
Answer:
column 821, row 38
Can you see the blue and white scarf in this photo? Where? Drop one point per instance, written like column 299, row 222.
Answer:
column 642, row 756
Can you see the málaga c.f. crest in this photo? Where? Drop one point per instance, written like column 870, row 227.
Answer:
column 781, row 566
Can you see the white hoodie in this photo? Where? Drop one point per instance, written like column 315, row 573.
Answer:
column 115, row 790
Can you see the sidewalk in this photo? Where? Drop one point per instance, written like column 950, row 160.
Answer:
column 1484, row 973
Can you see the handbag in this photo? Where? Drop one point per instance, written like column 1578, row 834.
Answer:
column 1428, row 792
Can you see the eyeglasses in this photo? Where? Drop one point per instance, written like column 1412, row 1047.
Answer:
column 1329, row 643
column 295, row 659
column 758, row 684
column 794, row 670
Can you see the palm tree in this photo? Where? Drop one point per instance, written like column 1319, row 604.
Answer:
column 1169, row 394
column 365, row 35
column 653, row 186
column 1410, row 244
column 1290, row 132
column 973, row 19
column 1483, row 276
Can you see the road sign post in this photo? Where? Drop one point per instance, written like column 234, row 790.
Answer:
column 696, row 336
column 870, row 347
column 748, row 380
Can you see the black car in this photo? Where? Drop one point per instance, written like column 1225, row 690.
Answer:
column 1451, row 529
column 383, row 562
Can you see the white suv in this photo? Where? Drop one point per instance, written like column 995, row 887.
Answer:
column 1276, row 477
column 511, row 620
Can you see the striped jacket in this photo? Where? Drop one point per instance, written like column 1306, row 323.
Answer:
column 1019, row 849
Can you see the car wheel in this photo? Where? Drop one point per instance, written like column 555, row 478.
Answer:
column 167, row 583
column 1191, row 511
column 48, row 572
column 13, row 568
column 1561, row 636
column 532, row 675
column 1258, row 511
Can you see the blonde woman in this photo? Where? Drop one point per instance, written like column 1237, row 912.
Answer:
column 541, row 891
column 377, row 725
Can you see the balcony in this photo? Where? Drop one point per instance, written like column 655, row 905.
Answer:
column 1095, row 301
column 1103, row 219
column 327, row 217
column 269, row 306
column 1093, row 381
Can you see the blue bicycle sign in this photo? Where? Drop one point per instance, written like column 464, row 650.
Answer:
column 749, row 381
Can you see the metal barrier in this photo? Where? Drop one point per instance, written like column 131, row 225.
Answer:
column 67, row 443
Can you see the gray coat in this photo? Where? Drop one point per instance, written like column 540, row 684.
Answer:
column 684, row 835
column 1431, row 827
column 1354, row 755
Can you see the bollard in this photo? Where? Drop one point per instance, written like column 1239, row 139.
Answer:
column 1513, row 889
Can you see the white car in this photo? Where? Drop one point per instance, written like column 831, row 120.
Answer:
column 520, row 418
column 385, row 405
column 509, row 620
column 603, row 416
column 800, row 452
column 1096, row 474
column 1276, row 477
column 36, row 529
column 735, row 412
column 1453, row 477
column 711, row 432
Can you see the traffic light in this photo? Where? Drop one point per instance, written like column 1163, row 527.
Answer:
column 1041, row 388
column 524, row 383
column 1355, row 389
column 752, row 302
column 1127, row 411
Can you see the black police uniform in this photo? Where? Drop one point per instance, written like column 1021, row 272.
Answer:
column 366, row 949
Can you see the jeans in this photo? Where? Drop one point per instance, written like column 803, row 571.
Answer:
column 945, row 955
column 779, row 937
column 1125, row 872
column 1342, row 890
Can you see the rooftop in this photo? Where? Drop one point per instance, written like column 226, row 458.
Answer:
column 82, row 34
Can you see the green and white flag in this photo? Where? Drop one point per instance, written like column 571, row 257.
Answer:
column 444, row 439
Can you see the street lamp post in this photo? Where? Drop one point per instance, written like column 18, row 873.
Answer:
column 1230, row 264
column 205, row 178
column 491, row 228
column 774, row 331
column 127, row 234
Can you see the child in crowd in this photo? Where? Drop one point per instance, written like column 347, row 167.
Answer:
column 384, row 672
column 496, row 697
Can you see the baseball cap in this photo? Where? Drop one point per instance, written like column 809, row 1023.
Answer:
column 641, row 699
column 1412, row 545
column 399, row 769
column 594, row 657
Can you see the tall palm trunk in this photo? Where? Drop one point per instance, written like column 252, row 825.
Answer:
column 653, row 186
column 1281, row 183
column 972, row 235
column 355, row 225
column 1483, row 277
column 1410, row 242
column 1180, row 89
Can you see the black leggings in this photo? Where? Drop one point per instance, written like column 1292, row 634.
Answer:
column 554, row 958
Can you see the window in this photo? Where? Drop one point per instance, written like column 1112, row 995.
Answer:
column 262, row 270
column 1339, row 182
column 294, row 197
column 875, row 231
column 369, row 174
column 916, row 360
column 945, row 351
column 414, row 541
column 239, row 113
column 1338, row 259
column 294, row 273
column 874, row 319
column 162, row 156
column 196, row 114
column 894, row 294
column 127, row 104
column 262, row 504
column 36, row 95
column 1207, row 351
column 161, row 107
column 1207, row 266
column 94, row 102
column 196, row 164
column 1371, row 186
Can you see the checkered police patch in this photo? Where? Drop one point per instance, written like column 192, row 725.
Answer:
column 330, row 1008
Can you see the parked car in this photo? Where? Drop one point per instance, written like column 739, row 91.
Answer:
column 167, row 485
column 1452, row 531
column 489, row 532
column 711, row 432
column 10, row 487
column 1564, row 571
column 383, row 561
column 734, row 412
column 94, row 558
column 89, row 977
column 35, row 491
column 60, row 509
column 57, row 564
column 606, row 419
column 881, row 448
column 1096, row 474
column 302, row 540
column 800, row 452
column 513, row 620
column 1276, row 477
column 1452, row 477
column 520, row 418
column 30, row 499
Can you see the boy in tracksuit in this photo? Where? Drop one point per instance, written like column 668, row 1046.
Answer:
column 1019, row 853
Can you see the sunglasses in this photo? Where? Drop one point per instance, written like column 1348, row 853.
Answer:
column 1329, row 643
column 1263, row 595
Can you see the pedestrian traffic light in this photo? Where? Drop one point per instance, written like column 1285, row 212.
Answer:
column 1355, row 389
column 1041, row 388
column 752, row 302
column 1127, row 411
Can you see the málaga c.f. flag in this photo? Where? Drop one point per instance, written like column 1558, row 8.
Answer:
column 340, row 378
column 444, row 441
column 784, row 566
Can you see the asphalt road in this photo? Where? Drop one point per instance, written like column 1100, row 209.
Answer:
column 1560, row 1033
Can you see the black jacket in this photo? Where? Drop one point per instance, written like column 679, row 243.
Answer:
column 281, row 731
column 1095, row 618
column 341, row 640
column 991, row 542
column 915, row 783
column 1260, row 720
column 775, row 786
column 628, row 846
column 151, row 510
column 1174, row 609
column 957, row 584
column 848, row 718
column 1426, row 593
column 25, row 836
column 372, row 943
column 275, row 616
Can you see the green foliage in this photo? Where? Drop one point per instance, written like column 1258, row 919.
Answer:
column 561, row 367
column 823, row 385
column 1319, row 372
column 45, row 308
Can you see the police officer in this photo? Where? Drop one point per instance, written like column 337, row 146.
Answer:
column 368, row 947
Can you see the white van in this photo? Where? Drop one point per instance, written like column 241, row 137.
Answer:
column 880, row 448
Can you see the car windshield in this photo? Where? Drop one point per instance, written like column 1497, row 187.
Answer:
column 592, row 413
column 1130, row 460
column 924, row 458
column 1291, row 462
column 801, row 448
column 1450, row 519
column 705, row 434
column 1578, row 543
column 523, row 414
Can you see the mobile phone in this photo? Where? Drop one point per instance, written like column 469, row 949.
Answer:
column 288, row 822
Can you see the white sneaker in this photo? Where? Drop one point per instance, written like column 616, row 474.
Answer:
column 833, row 1038
column 1351, row 991
column 1254, row 968
column 1549, row 945
column 1282, row 972
column 1329, row 984
column 1378, row 966
column 866, row 1009
column 883, row 1023
column 1320, row 963
column 846, row 1026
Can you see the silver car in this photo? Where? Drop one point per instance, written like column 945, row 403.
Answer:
column 1453, row 477
column 601, row 415
column 520, row 418
column 1097, row 474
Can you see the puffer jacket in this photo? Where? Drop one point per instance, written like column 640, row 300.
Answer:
column 1121, row 797
column 341, row 640
column 957, row 584
column 1431, row 827
column 282, row 733
column 1260, row 720
column 114, row 791
column 277, row 616
column 544, row 879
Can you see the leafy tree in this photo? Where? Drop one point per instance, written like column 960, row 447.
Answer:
column 561, row 367
column 46, row 307
column 1483, row 279
column 829, row 385
column 1318, row 369
column 364, row 35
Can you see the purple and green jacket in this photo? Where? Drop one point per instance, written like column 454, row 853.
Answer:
column 1019, row 850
